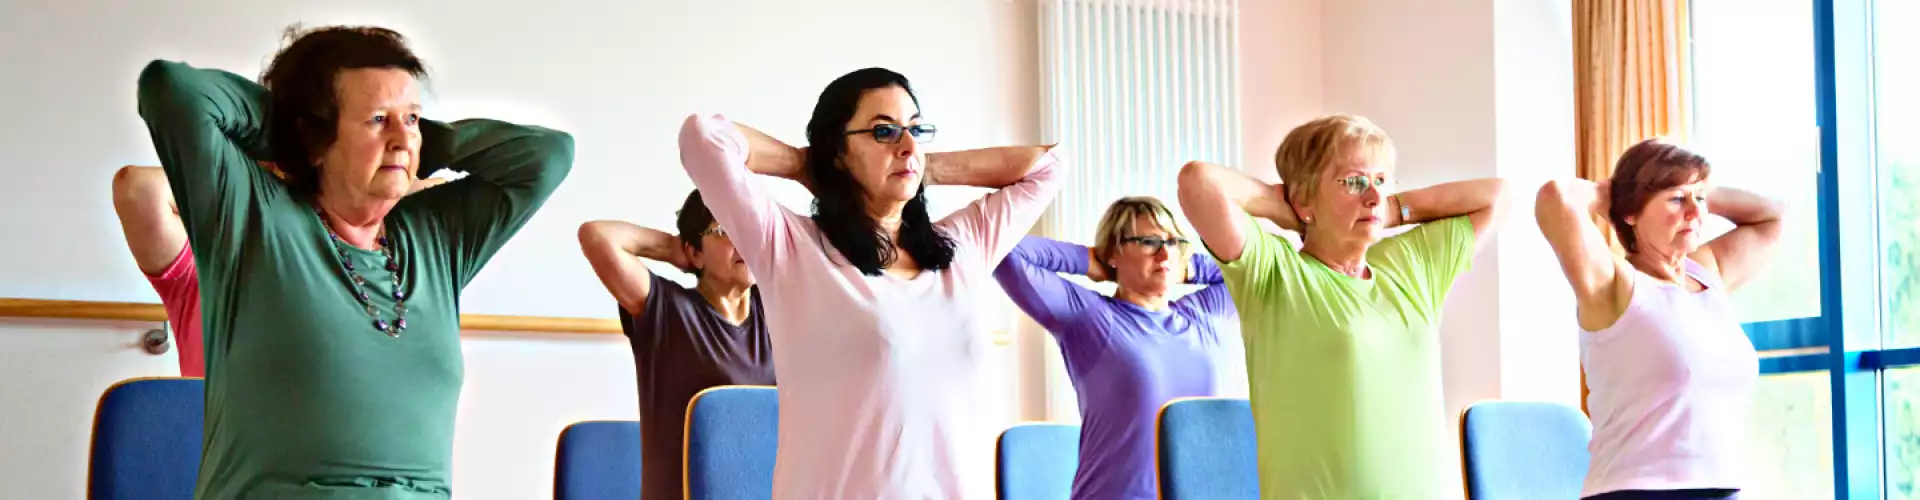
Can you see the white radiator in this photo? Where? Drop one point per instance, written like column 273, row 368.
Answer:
column 1134, row 89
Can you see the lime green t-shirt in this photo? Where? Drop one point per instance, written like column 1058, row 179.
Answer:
column 1345, row 372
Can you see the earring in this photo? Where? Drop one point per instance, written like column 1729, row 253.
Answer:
column 1307, row 219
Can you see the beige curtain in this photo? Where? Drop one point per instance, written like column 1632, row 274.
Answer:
column 1631, row 65
column 1631, row 77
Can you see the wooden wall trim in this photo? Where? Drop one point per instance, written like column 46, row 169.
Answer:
column 140, row 311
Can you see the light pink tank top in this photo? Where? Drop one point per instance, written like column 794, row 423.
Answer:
column 1671, row 383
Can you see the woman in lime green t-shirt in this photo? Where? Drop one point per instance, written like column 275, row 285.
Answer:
column 330, row 305
column 1343, row 358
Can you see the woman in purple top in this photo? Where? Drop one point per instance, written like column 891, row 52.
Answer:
column 1130, row 353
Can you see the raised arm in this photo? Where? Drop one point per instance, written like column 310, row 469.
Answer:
column 1742, row 252
column 1213, row 197
column 614, row 249
column 1566, row 211
column 511, row 168
column 148, row 217
column 1028, row 178
column 206, row 126
column 988, row 167
column 1031, row 277
column 1201, row 270
column 770, row 157
column 1483, row 201
column 719, row 156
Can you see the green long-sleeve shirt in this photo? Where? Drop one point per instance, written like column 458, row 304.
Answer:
column 305, row 399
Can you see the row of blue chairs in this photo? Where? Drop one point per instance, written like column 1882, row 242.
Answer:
column 146, row 445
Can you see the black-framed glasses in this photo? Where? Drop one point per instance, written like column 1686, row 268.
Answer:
column 888, row 133
column 1358, row 183
column 1153, row 244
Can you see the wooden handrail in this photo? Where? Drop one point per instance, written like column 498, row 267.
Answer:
column 140, row 311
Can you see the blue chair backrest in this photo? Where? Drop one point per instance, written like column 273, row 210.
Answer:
column 598, row 460
column 1206, row 450
column 1037, row 461
column 733, row 433
column 1524, row 450
column 147, row 435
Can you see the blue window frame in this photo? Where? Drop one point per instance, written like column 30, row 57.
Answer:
column 1849, row 253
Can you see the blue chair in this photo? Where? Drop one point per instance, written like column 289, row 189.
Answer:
column 1206, row 450
column 733, row 433
column 1037, row 461
column 147, row 435
column 598, row 460
column 1524, row 450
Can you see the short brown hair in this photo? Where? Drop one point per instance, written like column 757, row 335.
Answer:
column 1644, row 170
column 302, row 120
column 1311, row 148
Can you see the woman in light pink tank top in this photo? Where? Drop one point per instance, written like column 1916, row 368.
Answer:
column 1669, row 369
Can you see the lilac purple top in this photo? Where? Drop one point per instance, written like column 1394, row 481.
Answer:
column 1126, row 361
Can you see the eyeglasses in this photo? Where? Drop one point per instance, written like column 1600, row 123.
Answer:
column 1153, row 244
column 716, row 231
column 1358, row 183
column 888, row 133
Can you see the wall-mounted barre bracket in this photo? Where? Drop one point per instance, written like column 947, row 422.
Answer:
column 156, row 341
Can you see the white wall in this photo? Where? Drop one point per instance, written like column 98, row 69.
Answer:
column 1281, row 58
column 619, row 75
column 1534, row 141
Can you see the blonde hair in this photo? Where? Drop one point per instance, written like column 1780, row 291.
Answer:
column 1117, row 224
column 1310, row 149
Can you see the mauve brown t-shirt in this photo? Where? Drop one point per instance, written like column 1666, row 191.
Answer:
column 682, row 346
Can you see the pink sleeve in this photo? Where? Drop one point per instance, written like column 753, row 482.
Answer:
column 179, row 289
column 714, row 153
column 992, row 225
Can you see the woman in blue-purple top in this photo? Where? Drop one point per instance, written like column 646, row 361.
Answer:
column 1130, row 353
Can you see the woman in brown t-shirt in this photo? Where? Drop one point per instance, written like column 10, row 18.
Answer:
column 684, row 339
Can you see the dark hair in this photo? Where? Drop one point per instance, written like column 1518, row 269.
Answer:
column 692, row 221
column 305, row 105
column 840, row 204
column 1643, row 171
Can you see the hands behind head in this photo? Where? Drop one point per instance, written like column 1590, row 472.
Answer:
column 1097, row 267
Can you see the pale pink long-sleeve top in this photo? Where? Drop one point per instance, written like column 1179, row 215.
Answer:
column 879, row 375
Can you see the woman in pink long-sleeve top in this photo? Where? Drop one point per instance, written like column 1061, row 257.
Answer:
column 873, row 307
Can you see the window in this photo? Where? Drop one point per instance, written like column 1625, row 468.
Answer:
column 1896, row 124
column 1896, row 81
column 1786, row 461
column 1753, row 120
column 1821, row 107
column 1903, row 433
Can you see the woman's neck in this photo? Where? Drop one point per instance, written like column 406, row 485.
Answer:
column 1349, row 258
column 731, row 300
column 1664, row 266
column 358, row 224
column 1148, row 301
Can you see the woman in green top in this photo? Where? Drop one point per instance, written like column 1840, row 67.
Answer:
column 331, row 304
column 1342, row 356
